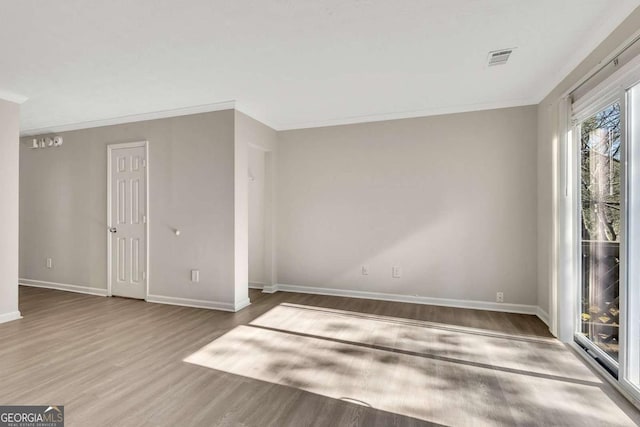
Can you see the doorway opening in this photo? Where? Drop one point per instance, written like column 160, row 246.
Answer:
column 261, row 224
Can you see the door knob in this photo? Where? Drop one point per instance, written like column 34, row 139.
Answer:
column 113, row 229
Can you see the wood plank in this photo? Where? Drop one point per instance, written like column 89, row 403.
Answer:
column 293, row 360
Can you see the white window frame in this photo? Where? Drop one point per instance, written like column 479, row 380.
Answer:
column 615, row 88
column 615, row 96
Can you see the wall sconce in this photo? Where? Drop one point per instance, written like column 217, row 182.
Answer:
column 47, row 142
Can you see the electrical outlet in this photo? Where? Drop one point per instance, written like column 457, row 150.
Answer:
column 396, row 272
column 365, row 270
column 49, row 263
column 195, row 276
column 500, row 297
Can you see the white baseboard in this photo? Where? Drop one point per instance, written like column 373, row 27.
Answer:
column 63, row 287
column 197, row 303
column 270, row 289
column 542, row 315
column 160, row 299
column 8, row 317
column 257, row 285
column 217, row 305
column 242, row 304
column 477, row 305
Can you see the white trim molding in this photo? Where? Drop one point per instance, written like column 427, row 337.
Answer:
column 197, row 303
column 232, row 105
column 445, row 302
column 186, row 111
column 454, row 109
column 12, row 97
column 542, row 315
column 159, row 299
column 242, row 304
column 271, row 289
column 257, row 285
column 63, row 287
column 8, row 317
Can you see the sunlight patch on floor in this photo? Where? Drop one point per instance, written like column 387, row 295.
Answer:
column 433, row 372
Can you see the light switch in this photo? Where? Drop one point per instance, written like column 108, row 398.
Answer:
column 195, row 276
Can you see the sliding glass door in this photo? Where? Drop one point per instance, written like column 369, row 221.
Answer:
column 606, row 138
column 600, row 149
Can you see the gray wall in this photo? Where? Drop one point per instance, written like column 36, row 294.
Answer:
column 9, row 131
column 548, row 122
column 191, row 164
column 451, row 199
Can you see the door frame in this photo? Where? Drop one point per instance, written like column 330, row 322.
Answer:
column 270, row 215
column 615, row 87
column 110, row 149
column 615, row 95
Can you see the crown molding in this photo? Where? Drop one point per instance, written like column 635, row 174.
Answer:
column 229, row 105
column 206, row 108
column 250, row 112
column 12, row 97
column 466, row 108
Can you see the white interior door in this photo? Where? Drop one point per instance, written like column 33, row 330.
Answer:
column 127, row 220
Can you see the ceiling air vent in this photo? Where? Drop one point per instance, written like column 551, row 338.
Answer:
column 499, row 57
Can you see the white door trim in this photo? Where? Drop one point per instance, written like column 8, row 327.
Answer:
column 270, row 231
column 110, row 149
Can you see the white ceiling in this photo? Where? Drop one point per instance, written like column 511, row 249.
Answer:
column 289, row 63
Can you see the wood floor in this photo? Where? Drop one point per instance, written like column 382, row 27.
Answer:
column 295, row 360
